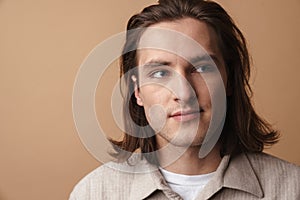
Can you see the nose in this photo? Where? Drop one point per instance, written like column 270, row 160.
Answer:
column 183, row 88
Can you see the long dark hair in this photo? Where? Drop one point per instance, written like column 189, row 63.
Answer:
column 244, row 130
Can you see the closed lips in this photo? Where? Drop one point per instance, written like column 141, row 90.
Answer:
column 185, row 115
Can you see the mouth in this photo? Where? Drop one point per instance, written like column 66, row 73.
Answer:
column 186, row 115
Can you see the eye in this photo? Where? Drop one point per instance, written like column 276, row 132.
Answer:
column 159, row 74
column 204, row 68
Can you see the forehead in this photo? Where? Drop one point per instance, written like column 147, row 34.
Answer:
column 186, row 37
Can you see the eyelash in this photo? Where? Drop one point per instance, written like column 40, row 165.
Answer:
column 207, row 68
column 153, row 74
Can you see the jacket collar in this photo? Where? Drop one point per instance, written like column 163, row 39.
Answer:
column 240, row 175
column 235, row 173
column 144, row 184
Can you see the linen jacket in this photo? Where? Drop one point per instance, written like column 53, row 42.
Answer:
column 245, row 176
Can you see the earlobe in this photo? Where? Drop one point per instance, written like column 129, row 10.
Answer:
column 138, row 99
column 136, row 91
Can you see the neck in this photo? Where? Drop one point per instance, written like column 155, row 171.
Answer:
column 189, row 162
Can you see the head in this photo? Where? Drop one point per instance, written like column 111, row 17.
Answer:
column 243, row 130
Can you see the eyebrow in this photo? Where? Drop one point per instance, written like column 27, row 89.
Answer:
column 205, row 57
column 193, row 61
column 156, row 63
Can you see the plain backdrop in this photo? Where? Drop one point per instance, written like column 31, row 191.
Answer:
column 44, row 42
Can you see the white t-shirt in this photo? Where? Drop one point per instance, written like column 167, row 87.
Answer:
column 187, row 186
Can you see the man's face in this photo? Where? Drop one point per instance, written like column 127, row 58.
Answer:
column 173, row 90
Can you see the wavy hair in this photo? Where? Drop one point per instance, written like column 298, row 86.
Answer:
column 244, row 129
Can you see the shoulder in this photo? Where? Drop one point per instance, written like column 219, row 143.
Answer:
column 277, row 177
column 99, row 175
column 266, row 163
column 111, row 180
column 96, row 182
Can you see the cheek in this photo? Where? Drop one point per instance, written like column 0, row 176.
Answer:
column 155, row 101
column 201, row 90
column 203, row 96
column 154, row 94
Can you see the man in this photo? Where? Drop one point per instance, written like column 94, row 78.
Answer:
column 171, row 101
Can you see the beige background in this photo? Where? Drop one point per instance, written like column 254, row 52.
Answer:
column 42, row 44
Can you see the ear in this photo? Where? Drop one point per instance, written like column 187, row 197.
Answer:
column 137, row 91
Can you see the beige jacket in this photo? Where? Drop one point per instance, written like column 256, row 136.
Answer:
column 246, row 176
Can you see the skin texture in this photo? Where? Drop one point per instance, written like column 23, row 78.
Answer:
column 175, row 96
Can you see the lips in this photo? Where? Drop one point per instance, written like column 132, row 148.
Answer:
column 188, row 115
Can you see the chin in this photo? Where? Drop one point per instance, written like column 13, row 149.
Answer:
column 186, row 135
column 183, row 140
column 194, row 143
